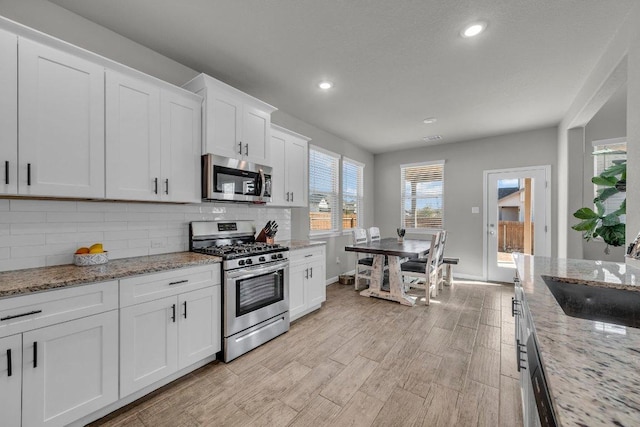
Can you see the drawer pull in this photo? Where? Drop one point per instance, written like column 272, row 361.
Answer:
column 15, row 316
column 308, row 256
column 178, row 282
column 9, row 368
column 35, row 354
column 173, row 315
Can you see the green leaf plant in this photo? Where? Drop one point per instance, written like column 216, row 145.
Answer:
column 597, row 223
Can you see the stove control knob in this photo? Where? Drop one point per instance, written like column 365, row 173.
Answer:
column 279, row 255
column 274, row 256
column 241, row 262
column 249, row 262
column 262, row 259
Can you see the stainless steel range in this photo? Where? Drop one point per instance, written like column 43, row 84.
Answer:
column 255, row 301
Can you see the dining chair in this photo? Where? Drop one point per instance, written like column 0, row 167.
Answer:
column 443, row 241
column 427, row 271
column 374, row 234
column 364, row 266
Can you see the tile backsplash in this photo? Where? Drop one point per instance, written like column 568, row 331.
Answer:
column 38, row 233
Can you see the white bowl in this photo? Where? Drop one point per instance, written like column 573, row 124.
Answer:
column 84, row 260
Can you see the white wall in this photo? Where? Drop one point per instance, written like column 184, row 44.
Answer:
column 463, row 185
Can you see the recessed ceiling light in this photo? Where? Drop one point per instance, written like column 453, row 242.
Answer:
column 429, row 120
column 431, row 138
column 474, row 29
column 325, row 85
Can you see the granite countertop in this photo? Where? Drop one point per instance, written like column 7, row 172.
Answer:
column 19, row 282
column 592, row 368
column 301, row 244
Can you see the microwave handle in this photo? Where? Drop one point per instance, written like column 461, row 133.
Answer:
column 261, row 182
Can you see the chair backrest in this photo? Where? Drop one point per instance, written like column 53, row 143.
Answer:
column 443, row 240
column 359, row 236
column 434, row 253
column 374, row 234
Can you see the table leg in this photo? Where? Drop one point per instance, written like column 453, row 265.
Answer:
column 396, row 287
column 448, row 281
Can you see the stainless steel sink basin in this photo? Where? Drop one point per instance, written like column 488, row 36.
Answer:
column 618, row 306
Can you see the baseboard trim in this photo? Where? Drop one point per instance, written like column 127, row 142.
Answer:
column 468, row 277
column 331, row 280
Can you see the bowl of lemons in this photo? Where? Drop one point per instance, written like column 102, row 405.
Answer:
column 93, row 255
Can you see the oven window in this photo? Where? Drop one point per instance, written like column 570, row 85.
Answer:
column 234, row 181
column 259, row 291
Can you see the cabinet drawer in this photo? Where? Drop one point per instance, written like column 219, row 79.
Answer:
column 24, row 313
column 149, row 287
column 306, row 254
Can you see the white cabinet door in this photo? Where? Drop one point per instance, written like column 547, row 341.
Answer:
column 70, row 370
column 199, row 328
column 317, row 291
column 61, row 123
column 224, row 125
column 148, row 343
column 297, row 290
column 133, row 138
column 255, row 137
column 8, row 113
column 279, row 164
column 297, row 172
column 11, row 380
column 181, row 144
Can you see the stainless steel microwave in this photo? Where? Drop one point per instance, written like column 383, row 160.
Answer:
column 235, row 180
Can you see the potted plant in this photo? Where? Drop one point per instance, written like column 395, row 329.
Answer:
column 599, row 223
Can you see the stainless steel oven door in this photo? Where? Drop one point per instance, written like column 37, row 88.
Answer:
column 254, row 294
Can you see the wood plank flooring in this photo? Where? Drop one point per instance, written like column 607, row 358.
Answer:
column 360, row 362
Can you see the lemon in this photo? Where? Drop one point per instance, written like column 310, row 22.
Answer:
column 96, row 250
column 97, row 247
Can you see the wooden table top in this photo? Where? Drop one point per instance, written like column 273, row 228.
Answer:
column 391, row 247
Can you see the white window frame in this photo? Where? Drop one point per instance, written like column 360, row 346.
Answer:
column 402, row 196
column 602, row 143
column 336, row 211
column 359, row 194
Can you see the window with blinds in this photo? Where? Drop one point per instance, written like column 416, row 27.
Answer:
column 422, row 195
column 323, row 190
column 606, row 154
column 352, row 194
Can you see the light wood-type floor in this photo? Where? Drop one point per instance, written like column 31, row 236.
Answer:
column 360, row 362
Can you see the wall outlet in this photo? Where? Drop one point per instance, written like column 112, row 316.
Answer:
column 475, row 209
column 337, row 260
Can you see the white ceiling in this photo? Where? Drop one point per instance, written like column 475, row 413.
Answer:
column 393, row 62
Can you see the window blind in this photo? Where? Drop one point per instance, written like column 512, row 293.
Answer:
column 610, row 152
column 422, row 195
column 352, row 194
column 323, row 190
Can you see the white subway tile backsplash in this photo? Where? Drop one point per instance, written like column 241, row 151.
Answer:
column 38, row 233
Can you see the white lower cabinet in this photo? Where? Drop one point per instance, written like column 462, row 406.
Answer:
column 307, row 289
column 162, row 336
column 11, row 380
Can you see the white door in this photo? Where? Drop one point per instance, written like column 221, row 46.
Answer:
column 8, row 113
column 199, row 327
column 11, row 380
column 133, row 138
column 148, row 343
column 70, row 370
column 516, row 218
column 279, row 164
column 225, row 115
column 180, row 148
column 61, row 123
column 317, row 289
column 256, row 131
column 297, row 289
column 297, row 172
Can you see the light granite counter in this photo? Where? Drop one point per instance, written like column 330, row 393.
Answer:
column 301, row 244
column 17, row 282
column 592, row 368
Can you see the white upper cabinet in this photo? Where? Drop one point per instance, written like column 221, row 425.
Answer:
column 153, row 141
column 290, row 164
column 181, row 141
column 236, row 125
column 61, row 123
column 8, row 113
column 133, row 138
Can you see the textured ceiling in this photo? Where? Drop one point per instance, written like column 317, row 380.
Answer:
column 393, row 62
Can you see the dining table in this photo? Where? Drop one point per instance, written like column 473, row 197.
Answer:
column 394, row 250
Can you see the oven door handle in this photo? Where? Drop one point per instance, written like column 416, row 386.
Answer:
column 256, row 271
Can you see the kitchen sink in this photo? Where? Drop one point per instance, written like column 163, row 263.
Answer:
column 618, row 306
